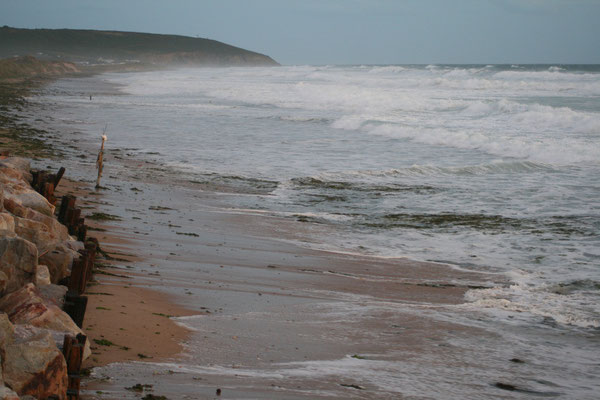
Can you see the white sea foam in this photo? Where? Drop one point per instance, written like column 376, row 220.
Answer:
column 498, row 167
column 561, row 151
column 527, row 295
column 407, row 108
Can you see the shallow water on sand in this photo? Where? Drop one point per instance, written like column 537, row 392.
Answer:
column 484, row 168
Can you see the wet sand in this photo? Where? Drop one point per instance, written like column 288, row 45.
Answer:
column 257, row 306
column 123, row 321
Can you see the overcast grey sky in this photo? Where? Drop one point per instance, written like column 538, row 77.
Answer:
column 348, row 31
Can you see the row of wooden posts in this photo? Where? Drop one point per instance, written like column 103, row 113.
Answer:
column 45, row 183
column 68, row 215
column 75, row 303
column 81, row 272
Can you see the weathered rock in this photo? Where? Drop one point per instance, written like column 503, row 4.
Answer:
column 36, row 227
column 22, row 165
column 10, row 176
column 7, row 222
column 7, row 333
column 54, row 293
column 51, row 223
column 37, row 233
column 3, row 282
column 28, row 306
column 74, row 245
column 18, row 261
column 42, row 276
column 8, row 394
column 35, row 366
column 59, row 261
column 21, row 193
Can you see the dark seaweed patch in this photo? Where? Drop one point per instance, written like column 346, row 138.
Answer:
column 493, row 224
column 311, row 182
column 235, row 184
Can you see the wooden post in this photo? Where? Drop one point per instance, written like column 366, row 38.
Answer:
column 59, row 176
column 85, row 271
column 34, row 178
column 77, row 275
column 49, row 192
column 75, row 306
column 68, row 202
column 73, row 353
column 40, row 181
column 81, row 230
column 73, row 216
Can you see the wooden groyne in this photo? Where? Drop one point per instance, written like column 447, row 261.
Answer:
column 36, row 251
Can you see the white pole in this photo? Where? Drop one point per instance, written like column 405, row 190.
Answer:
column 99, row 160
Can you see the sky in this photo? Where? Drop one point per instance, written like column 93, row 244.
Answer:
column 318, row 32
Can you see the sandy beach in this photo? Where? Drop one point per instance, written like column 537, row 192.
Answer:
column 248, row 297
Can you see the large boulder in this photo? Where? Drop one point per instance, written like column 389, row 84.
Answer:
column 34, row 365
column 54, row 293
column 37, row 233
column 43, row 230
column 7, row 223
column 21, row 193
column 9, row 176
column 18, row 164
column 18, row 262
column 8, row 394
column 27, row 306
column 3, row 282
column 42, row 276
column 7, row 333
column 28, row 213
column 59, row 261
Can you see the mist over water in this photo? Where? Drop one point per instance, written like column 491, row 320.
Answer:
column 489, row 168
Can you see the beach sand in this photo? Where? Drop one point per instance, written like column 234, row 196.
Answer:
column 251, row 298
column 133, row 319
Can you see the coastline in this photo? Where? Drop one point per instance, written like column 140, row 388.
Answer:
column 113, row 289
column 227, row 267
column 258, row 306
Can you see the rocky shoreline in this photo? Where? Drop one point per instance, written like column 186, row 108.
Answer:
column 37, row 255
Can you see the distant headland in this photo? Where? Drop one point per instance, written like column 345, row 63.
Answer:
column 94, row 47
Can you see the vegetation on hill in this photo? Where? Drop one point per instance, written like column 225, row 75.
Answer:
column 28, row 67
column 93, row 47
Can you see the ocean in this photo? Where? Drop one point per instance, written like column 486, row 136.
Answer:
column 486, row 168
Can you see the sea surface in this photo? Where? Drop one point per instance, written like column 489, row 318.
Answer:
column 492, row 168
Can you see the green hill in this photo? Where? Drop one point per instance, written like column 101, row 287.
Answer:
column 102, row 47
